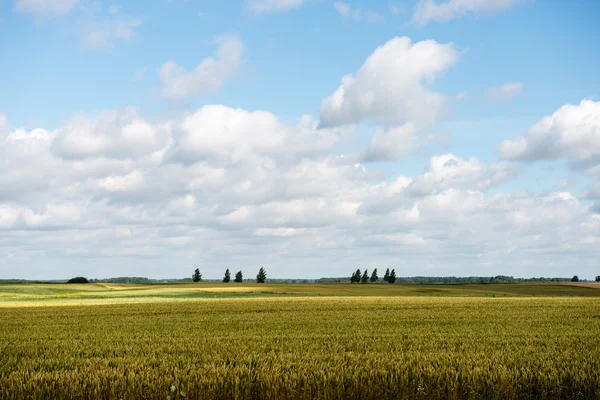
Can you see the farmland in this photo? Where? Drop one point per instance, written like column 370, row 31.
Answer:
column 65, row 294
column 299, row 341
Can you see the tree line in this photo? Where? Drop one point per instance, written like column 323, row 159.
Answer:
column 357, row 277
column 261, row 277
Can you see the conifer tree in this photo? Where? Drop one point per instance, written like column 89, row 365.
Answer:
column 365, row 277
column 197, row 277
column 356, row 276
column 386, row 277
column 239, row 277
column 374, row 277
column 392, row 278
column 227, row 276
column 262, row 275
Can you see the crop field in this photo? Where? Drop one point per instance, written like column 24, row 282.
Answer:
column 304, row 347
column 12, row 295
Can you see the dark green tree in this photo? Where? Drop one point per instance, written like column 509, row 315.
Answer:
column 227, row 276
column 392, row 277
column 386, row 277
column 365, row 277
column 262, row 275
column 239, row 277
column 598, row 278
column 78, row 279
column 197, row 277
column 356, row 276
column 374, row 277
column 575, row 279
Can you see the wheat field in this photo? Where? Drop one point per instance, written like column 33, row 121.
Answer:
column 305, row 348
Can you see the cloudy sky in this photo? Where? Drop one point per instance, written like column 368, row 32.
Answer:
column 311, row 137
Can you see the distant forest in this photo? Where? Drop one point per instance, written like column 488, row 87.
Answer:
column 458, row 279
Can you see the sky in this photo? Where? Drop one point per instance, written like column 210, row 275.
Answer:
column 309, row 137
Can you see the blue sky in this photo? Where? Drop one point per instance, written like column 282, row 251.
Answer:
column 117, row 150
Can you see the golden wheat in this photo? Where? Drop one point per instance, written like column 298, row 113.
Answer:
column 305, row 348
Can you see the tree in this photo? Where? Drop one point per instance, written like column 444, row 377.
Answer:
column 374, row 277
column 575, row 279
column 392, row 277
column 355, row 276
column 386, row 277
column 78, row 279
column 598, row 278
column 197, row 277
column 365, row 277
column 262, row 275
column 227, row 277
column 239, row 277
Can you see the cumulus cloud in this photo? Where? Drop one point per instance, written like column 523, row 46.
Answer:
column 390, row 144
column 431, row 10
column 505, row 91
column 446, row 177
column 226, row 135
column 391, row 86
column 572, row 132
column 208, row 76
column 113, row 134
column 449, row 171
column 225, row 186
column 270, row 6
column 45, row 8
column 357, row 14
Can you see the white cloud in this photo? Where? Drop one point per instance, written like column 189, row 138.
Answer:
column 131, row 181
column 572, row 132
column 505, row 91
column 431, row 10
column 391, row 144
column 208, row 76
column 270, row 6
column 3, row 125
column 449, row 171
column 222, row 186
column 347, row 11
column 101, row 32
column 275, row 232
column 390, row 85
column 45, row 8
column 342, row 8
column 114, row 134
column 225, row 135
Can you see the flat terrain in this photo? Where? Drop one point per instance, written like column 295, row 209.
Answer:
column 64, row 294
column 338, row 341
